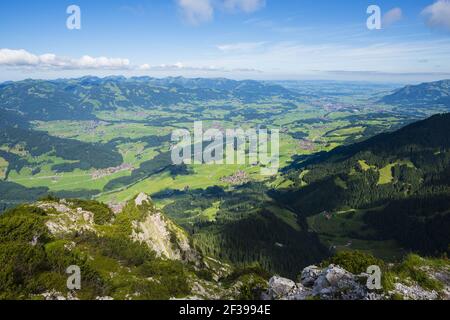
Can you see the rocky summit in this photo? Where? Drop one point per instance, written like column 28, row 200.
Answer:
column 336, row 283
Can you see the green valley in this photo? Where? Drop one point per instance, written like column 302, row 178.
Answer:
column 347, row 163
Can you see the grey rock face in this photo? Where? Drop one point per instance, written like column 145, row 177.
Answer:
column 280, row 287
column 332, row 283
column 309, row 276
column 415, row 292
column 337, row 283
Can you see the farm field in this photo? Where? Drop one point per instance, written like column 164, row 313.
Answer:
column 138, row 137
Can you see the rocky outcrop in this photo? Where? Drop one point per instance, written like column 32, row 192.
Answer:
column 280, row 288
column 443, row 276
column 335, row 283
column 65, row 220
column 414, row 292
column 54, row 295
column 159, row 235
column 309, row 276
column 162, row 235
column 141, row 199
column 332, row 283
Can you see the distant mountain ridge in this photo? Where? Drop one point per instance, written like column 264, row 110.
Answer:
column 67, row 99
column 426, row 93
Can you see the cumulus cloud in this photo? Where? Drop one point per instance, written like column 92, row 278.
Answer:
column 438, row 14
column 244, row 5
column 29, row 61
column 17, row 57
column 100, row 63
column 392, row 17
column 23, row 58
column 196, row 11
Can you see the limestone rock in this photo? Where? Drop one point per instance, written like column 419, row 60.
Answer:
column 163, row 236
column 280, row 287
column 309, row 276
column 332, row 283
column 141, row 198
column 55, row 295
column 335, row 283
column 67, row 220
column 415, row 292
column 104, row 298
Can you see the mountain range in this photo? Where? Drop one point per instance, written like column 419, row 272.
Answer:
column 80, row 98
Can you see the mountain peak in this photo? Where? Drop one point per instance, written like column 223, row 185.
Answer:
column 437, row 92
column 141, row 198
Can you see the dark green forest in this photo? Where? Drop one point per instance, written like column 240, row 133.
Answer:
column 412, row 206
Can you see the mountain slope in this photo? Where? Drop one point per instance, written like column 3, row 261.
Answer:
column 423, row 94
column 80, row 98
column 395, row 185
column 140, row 254
column 135, row 254
column 34, row 144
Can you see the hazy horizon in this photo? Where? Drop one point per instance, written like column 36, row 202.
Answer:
column 280, row 81
column 238, row 39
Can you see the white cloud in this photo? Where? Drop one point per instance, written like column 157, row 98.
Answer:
column 100, row 63
column 196, row 11
column 274, row 60
column 240, row 47
column 23, row 58
column 392, row 17
column 17, row 57
column 244, row 5
column 164, row 67
column 438, row 14
column 180, row 67
column 145, row 66
column 299, row 59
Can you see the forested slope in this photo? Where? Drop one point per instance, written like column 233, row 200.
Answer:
column 401, row 178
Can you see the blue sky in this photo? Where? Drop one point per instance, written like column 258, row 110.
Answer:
column 259, row 39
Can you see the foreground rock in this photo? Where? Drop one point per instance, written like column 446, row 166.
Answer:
column 332, row 283
column 335, row 283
